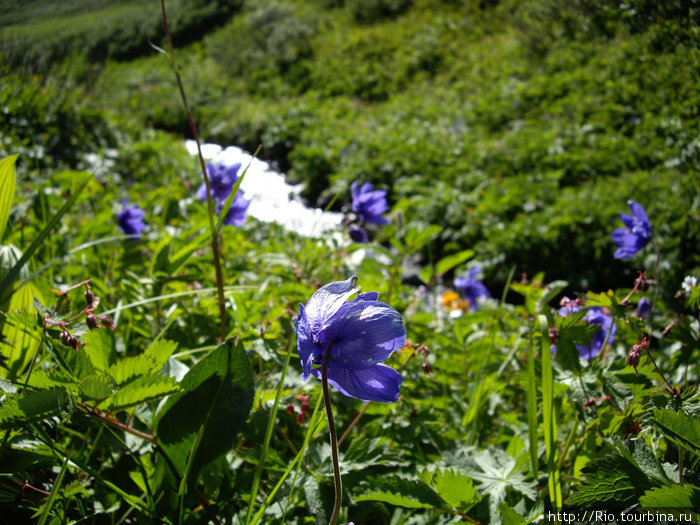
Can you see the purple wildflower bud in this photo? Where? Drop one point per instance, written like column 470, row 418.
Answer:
column 130, row 219
column 471, row 287
column 644, row 308
column 358, row 235
column 635, row 353
column 636, row 233
column 359, row 335
column 89, row 297
column 107, row 321
column 91, row 321
column 369, row 204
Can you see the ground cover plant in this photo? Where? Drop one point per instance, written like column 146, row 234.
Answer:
column 505, row 326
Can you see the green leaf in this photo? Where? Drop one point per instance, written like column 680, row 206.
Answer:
column 99, row 347
column 217, row 398
column 31, row 406
column 20, row 340
column 412, row 494
column 416, row 237
column 611, row 480
column 673, row 498
column 142, row 390
column 445, row 264
column 509, row 516
column 8, row 179
column 34, row 246
column 679, row 428
column 161, row 257
column 97, row 386
column 455, row 488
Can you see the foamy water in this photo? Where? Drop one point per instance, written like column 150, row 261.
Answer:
column 272, row 199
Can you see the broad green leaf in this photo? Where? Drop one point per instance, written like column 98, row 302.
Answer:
column 679, row 428
column 445, row 264
column 412, row 494
column 142, row 390
column 99, row 347
column 216, row 400
column 97, row 386
column 38, row 241
column 455, row 488
column 7, row 190
column 675, row 498
column 31, row 406
column 610, row 481
column 20, row 340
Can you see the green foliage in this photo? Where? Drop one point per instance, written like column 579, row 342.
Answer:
column 509, row 136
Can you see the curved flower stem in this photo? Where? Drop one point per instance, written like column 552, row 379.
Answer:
column 210, row 205
column 334, row 439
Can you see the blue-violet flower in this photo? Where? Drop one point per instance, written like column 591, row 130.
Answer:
column 221, row 181
column 358, row 235
column 594, row 315
column 636, row 233
column 369, row 204
column 359, row 335
column 644, row 308
column 471, row 287
column 130, row 219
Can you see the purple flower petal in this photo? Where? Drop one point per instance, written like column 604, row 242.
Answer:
column 377, row 383
column 363, row 333
column 327, row 301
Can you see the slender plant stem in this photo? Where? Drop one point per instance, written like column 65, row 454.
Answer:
column 210, row 204
column 334, row 439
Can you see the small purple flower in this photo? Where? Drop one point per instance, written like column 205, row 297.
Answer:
column 130, row 219
column 471, row 287
column 221, row 180
column 237, row 211
column 358, row 235
column 369, row 204
column 636, row 233
column 644, row 308
column 594, row 315
column 359, row 335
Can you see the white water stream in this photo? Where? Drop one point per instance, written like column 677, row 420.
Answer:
column 272, row 199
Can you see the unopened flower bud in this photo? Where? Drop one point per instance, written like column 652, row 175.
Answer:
column 427, row 369
column 591, row 402
column 635, row 353
column 290, row 408
column 301, row 418
column 89, row 298
column 91, row 321
column 106, row 321
column 553, row 335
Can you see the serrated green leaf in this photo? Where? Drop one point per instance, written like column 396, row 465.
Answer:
column 509, row 516
column 673, row 498
column 455, row 488
column 129, row 368
column 216, row 400
column 679, row 428
column 412, row 494
column 97, row 386
column 99, row 347
column 7, row 189
column 160, row 350
column 31, row 406
column 611, row 480
column 142, row 390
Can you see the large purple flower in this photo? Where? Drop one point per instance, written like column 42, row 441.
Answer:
column 636, row 233
column 471, row 287
column 594, row 315
column 221, row 181
column 359, row 335
column 130, row 219
column 369, row 204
